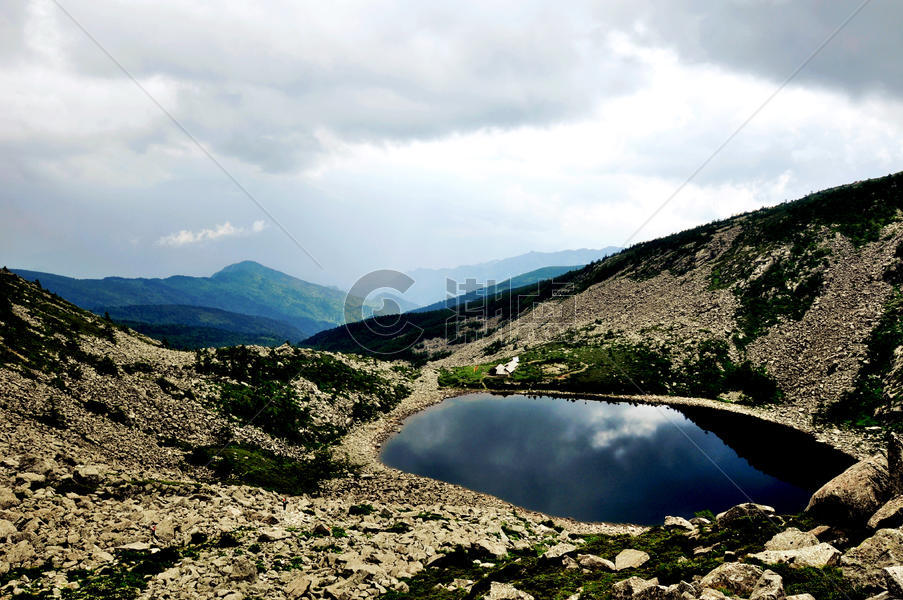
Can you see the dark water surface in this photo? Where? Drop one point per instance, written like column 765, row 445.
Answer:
column 611, row 461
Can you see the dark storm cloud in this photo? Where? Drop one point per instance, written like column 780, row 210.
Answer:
column 413, row 134
column 772, row 37
column 261, row 84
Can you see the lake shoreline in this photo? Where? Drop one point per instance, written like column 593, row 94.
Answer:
column 363, row 444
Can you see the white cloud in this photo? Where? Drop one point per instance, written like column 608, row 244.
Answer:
column 613, row 423
column 410, row 134
column 185, row 236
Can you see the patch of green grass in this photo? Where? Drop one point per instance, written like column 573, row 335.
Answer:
column 361, row 509
column 123, row 580
column 291, row 564
column 274, row 407
column 266, row 395
column 827, row 583
column 671, row 552
column 430, row 516
column 328, row 373
column 614, row 365
column 398, row 527
column 248, row 465
column 469, row 376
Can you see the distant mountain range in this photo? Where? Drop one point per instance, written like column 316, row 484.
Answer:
column 507, row 285
column 245, row 290
column 430, row 284
column 248, row 303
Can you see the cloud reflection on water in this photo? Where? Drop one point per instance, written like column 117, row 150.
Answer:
column 590, row 460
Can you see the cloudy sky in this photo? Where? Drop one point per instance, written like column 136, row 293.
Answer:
column 420, row 134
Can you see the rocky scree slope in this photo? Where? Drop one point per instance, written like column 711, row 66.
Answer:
column 129, row 470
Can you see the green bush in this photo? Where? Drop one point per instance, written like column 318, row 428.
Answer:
column 249, row 465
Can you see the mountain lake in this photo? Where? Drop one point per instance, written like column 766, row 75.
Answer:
column 612, row 461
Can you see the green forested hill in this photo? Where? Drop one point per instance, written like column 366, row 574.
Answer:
column 190, row 327
column 247, row 288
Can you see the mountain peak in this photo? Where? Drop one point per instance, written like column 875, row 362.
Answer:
column 246, row 267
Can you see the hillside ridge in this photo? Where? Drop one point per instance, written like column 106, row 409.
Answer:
column 780, row 306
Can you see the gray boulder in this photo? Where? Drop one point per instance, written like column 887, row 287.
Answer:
column 737, row 578
column 630, row 559
column 895, row 463
column 894, row 580
column 6, row 529
column 19, row 553
column 493, row 547
column 243, row 569
column 790, row 539
column 595, row 563
column 679, row 591
column 7, row 498
column 678, row 523
column 770, row 586
column 820, row 555
column 712, row 594
column 633, row 586
column 853, row 496
column 557, row 551
column 748, row 509
column 89, row 475
column 504, row 591
column 889, row 516
column 298, row 586
column 864, row 564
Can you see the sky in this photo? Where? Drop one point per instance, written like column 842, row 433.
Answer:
column 331, row 139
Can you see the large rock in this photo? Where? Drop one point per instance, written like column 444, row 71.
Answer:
column 7, row 498
column 595, row 563
column 39, row 465
column 741, row 511
column 630, row 558
column 864, row 564
column 678, row 523
column 504, row 591
column 895, row 463
column 166, row 530
column 559, row 550
column 820, row 555
column 243, row 569
column 19, row 553
column 89, row 475
column 297, row 587
column 633, row 586
column 770, row 586
column 736, row 578
column 853, row 496
column 790, row 539
column 894, row 580
column 6, row 529
column 712, row 594
column 680, row 591
column 492, row 547
column 889, row 516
